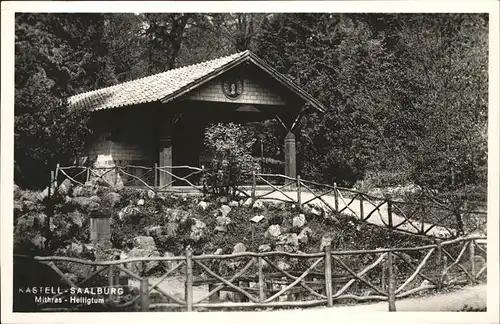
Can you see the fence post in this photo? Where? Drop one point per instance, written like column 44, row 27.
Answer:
column 87, row 175
column 189, row 279
column 361, row 207
column 144, row 295
column 389, row 211
column 262, row 292
column 439, row 256
column 336, row 196
column 111, row 279
column 56, row 175
column 299, row 198
column 422, row 220
column 328, row 275
column 444, row 270
column 155, row 171
column 392, row 288
column 472, row 258
column 254, row 185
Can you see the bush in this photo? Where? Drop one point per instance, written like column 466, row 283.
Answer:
column 230, row 145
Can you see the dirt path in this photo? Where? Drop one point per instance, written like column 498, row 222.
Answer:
column 473, row 297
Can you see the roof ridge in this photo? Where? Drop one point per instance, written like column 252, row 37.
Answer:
column 74, row 97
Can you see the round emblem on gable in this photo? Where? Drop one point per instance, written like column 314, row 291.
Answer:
column 232, row 88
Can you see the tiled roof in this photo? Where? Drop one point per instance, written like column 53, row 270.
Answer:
column 171, row 84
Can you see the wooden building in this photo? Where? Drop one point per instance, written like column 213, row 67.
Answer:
column 161, row 118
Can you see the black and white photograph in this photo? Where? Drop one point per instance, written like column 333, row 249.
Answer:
column 272, row 162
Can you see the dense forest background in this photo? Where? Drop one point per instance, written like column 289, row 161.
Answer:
column 406, row 93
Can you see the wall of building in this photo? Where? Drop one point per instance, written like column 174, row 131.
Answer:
column 124, row 136
column 254, row 92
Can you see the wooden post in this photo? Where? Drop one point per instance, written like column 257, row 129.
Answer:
column 189, row 279
column 444, row 271
column 290, row 155
column 392, row 288
column 422, row 220
column 361, row 207
column 144, row 295
column 254, row 186
column 87, row 176
column 155, row 183
column 117, row 170
column 336, row 196
column 439, row 256
column 111, row 279
column 56, row 174
column 328, row 275
column 389, row 211
column 52, row 176
column 262, row 292
column 472, row 258
column 299, row 198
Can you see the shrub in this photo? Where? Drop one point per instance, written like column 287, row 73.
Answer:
column 230, row 145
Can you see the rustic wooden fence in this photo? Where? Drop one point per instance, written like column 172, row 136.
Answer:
column 409, row 217
column 279, row 279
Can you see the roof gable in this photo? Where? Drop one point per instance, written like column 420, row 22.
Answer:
column 169, row 85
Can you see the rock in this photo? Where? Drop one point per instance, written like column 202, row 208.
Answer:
column 140, row 202
column 76, row 218
column 233, row 204
column 75, row 249
column 248, row 203
column 258, row 205
column 299, row 221
column 203, row 205
column 151, row 194
column 112, row 198
column 304, row 235
column 327, row 239
column 146, row 243
column 221, row 224
column 425, row 283
column 239, row 248
column 223, row 200
column 65, row 187
column 291, row 239
column 171, row 229
column 86, row 203
column 177, row 215
column 224, row 210
column 218, row 251
column 141, row 267
column 273, row 231
column 197, row 230
column 264, row 248
column 257, row 218
column 154, row 230
column 283, row 265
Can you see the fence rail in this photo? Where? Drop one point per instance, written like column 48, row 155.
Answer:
column 260, row 280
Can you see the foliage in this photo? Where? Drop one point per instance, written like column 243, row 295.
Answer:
column 232, row 161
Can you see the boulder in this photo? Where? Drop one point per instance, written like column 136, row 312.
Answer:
column 224, row 210
column 425, row 283
column 151, row 194
column 264, row 248
column 273, row 231
column 112, row 198
column 221, row 224
column 170, row 229
column 218, row 251
column 146, row 243
column 283, row 265
column 291, row 239
column 142, row 267
column 197, row 229
column 154, row 230
column 233, row 203
column 304, row 235
column 177, row 215
column 38, row 241
column 327, row 239
column 223, row 200
column 257, row 218
column 65, row 187
column 87, row 203
column 248, row 203
column 140, row 202
column 239, row 248
column 203, row 205
column 299, row 221
column 258, row 205
column 76, row 218
column 75, row 249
